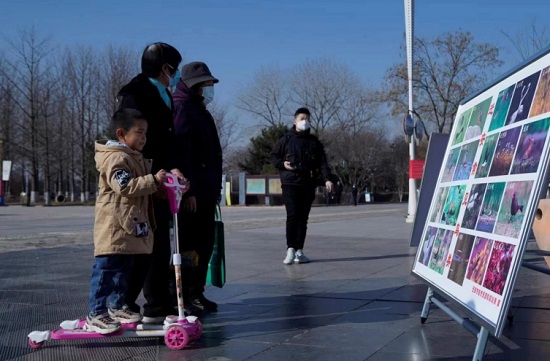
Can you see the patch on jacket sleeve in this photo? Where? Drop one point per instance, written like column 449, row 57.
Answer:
column 123, row 177
column 142, row 229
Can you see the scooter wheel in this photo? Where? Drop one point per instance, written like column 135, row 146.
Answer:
column 198, row 332
column 176, row 337
column 35, row 344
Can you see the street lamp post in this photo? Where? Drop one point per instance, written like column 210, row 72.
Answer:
column 409, row 27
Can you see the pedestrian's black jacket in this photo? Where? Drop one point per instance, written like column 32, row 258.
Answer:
column 198, row 143
column 142, row 95
column 306, row 153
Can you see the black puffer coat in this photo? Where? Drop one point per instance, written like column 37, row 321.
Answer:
column 142, row 95
column 198, row 144
column 305, row 152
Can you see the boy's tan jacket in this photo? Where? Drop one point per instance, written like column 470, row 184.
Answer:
column 124, row 206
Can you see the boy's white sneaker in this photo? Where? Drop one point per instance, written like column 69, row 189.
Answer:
column 300, row 257
column 125, row 315
column 290, row 255
column 102, row 324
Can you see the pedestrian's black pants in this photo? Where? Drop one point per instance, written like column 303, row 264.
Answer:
column 152, row 272
column 196, row 232
column 298, row 200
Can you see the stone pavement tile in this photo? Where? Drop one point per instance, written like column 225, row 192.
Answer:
column 411, row 293
column 528, row 330
column 360, row 290
column 430, row 344
column 311, row 353
column 525, row 350
column 536, row 315
column 538, row 301
column 214, row 349
column 366, row 336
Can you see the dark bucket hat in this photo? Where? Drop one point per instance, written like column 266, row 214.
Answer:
column 196, row 72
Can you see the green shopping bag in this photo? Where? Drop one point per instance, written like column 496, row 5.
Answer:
column 216, row 267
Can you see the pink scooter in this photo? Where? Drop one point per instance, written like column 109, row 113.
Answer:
column 176, row 330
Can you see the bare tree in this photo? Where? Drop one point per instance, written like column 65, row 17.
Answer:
column 446, row 70
column 118, row 66
column 356, row 158
column 23, row 74
column 267, row 97
column 333, row 94
column 84, row 77
column 226, row 124
column 530, row 40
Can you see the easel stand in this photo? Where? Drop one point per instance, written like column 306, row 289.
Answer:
column 481, row 332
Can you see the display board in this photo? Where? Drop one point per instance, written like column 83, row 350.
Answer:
column 489, row 184
column 434, row 158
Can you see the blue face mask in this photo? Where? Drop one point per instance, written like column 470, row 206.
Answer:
column 174, row 79
column 208, row 94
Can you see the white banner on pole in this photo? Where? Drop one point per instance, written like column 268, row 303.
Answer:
column 6, row 170
column 492, row 176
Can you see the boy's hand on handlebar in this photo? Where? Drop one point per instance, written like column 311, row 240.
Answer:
column 160, row 177
column 177, row 173
column 181, row 178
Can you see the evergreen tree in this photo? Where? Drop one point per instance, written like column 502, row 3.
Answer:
column 258, row 160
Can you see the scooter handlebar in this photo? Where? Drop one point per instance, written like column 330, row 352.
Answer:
column 175, row 191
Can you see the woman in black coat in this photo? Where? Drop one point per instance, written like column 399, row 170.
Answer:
column 148, row 93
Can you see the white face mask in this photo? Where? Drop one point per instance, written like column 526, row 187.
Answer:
column 208, row 94
column 302, row 125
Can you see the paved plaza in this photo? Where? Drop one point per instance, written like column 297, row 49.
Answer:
column 356, row 300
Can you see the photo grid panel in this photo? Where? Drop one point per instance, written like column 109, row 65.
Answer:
column 488, row 184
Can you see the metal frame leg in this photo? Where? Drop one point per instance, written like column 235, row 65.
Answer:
column 426, row 307
column 482, row 337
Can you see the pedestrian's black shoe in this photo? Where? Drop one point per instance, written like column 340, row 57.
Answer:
column 202, row 303
column 193, row 307
column 210, row 306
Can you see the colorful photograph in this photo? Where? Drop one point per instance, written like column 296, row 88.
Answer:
column 541, row 103
column 450, row 165
column 465, row 161
column 499, row 266
column 473, row 206
column 522, row 99
column 487, row 156
column 427, row 246
column 461, row 257
column 477, row 120
column 440, row 250
column 490, row 206
column 501, row 108
column 452, row 205
column 461, row 126
column 513, row 207
column 437, row 213
column 504, row 153
column 479, row 259
column 530, row 146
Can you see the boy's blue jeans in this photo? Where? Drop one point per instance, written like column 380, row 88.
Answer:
column 109, row 279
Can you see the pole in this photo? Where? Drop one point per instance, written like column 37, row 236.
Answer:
column 409, row 31
column 1, row 165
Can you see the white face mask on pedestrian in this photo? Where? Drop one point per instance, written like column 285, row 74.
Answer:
column 208, row 94
column 302, row 125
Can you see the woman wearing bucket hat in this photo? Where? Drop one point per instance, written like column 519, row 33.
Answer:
column 200, row 160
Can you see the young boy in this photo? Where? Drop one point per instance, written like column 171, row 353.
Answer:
column 124, row 220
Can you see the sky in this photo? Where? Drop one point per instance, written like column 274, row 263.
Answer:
column 236, row 37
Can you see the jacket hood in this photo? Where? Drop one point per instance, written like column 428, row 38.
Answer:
column 105, row 147
column 184, row 93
